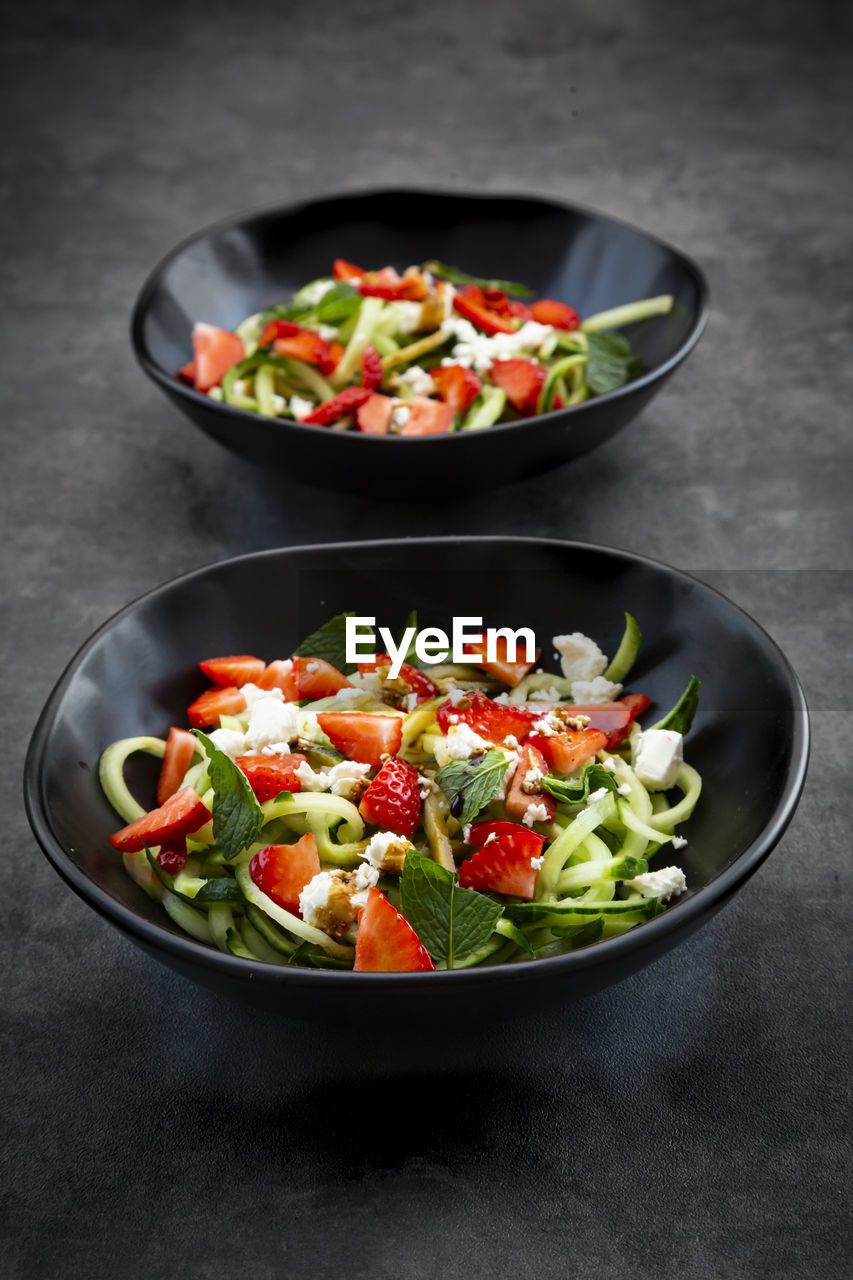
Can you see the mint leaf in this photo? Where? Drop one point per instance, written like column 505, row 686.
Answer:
column 338, row 304
column 455, row 276
column 450, row 922
column 680, row 718
column 575, row 790
column 221, row 889
column 237, row 816
column 328, row 643
column 470, row 784
column 609, row 361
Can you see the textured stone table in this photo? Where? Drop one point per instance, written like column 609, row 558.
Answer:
column 689, row 1123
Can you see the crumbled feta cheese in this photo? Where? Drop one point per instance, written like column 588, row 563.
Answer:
column 596, row 690
column 491, row 838
column 466, row 833
column 241, row 387
column 230, row 741
column 300, row 407
column 280, row 403
column 408, row 316
column 596, row 795
column 314, row 898
column 664, row 884
column 272, row 723
column 479, row 351
column 511, row 741
column 536, row 863
column 535, row 813
column 460, row 744
column 332, row 899
column 678, row 842
column 327, row 332
column 455, row 695
column 419, row 380
column 253, row 694
column 580, row 657
column 345, row 779
column 531, row 780
column 624, row 789
column 658, row 755
column 453, row 718
column 547, row 726
column 400, row 415
column 410, row 702
column 577, row 722
column 366, row 876
column 502, row 699
column 609, row 764
column 551, row 694
column 387, row 851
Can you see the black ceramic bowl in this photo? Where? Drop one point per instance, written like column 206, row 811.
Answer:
column 138, row 673
column 235, row 268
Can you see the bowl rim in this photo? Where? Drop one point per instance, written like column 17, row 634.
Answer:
column 678, row 917
column 174, row 386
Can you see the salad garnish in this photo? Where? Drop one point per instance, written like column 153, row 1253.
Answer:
column 430, row 351
column 325, row 814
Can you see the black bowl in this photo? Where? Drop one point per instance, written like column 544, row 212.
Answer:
column 138, row 672
column 235, row 268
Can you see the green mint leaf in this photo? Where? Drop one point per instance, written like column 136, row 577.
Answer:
column 450, row 922
column 328, row 643
column 593, row 777
column 455, row 276
column 608, row 361
column 338, row 304
column 237, row 816
column 221, row 889
column 470, row 784
column 680, row 718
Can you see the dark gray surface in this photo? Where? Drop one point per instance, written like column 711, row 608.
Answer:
column 688, row 1123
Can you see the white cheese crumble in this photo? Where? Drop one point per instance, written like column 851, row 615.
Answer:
column 609, row 764
column 341, row 780
column 272, row 723
column 386, row 850
column 502, row 699
column 658, row 755
column 314, row 898
column 511, row 741
column 327, row 332
column 596, row 690
column 300, row 407
column 419, row 380
column 400, row 415
column 460, row 744
column 410, row 702
column 664, row 884
column 551, row 694
column 580, row 657
column 678, row 842
column 624, row 789
column 535, row 813
column 479, row 351
column 596, row 795
column 455, row 695
column 253, row 694
column 230, row 741
column 536, row 863
column 408, row 316
column 548, row 726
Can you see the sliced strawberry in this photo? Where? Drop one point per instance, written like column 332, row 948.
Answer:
column 614, row 718
column 557, row 314
column 456, row 385
column 518, row 801
column 180, row 749
column 172, row 860
column 212, row 704
column 417, row 681
column 316, row 678
column 471, row 304
column 308, row 346
column 393, row 800
column 277, row 329
column 346, row 401
column 343, row 270
column 282, row 871
column 187, row 372
column 428, row 417
column 520, row 310
column 512, row 673
column 522, row 380
column 567, row 751
column 388, row 284
column 361, row 736
column 503, row 863
column 386, row 941
column 230, row 671
column 371, row 368
column 374, row 416
column 270, row 775
column 182, row 814
column 280, row 675
column 495, row 299
column 492, row 720
column 215, row 351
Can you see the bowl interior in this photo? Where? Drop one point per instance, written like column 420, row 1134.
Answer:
column 137, row 675
column 585, row 258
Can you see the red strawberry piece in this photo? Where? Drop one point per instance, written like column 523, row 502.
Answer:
column 187, row 372
column 270, row 775
column 360, row 736
column 308, row 346
column 172, row 860
column 475, row 310
column 280, row 675
column 345, row 402
column 393, row 800
column 520, row 310
column 614, row 718
column 347, row 271
column 519, row 800
column 567, row 751
column 492, row 720
column 512, row 673
column 212, row 704
column 215, row 351
column 456, row 385
column 503, row 863
column 417, row 681
column 389, row 285
column 180, row 749
column 278, row 329
column 282, row 871
column 316, row 678
column 428, row 417
column 182, row 814
column 522, row 381
column 374, row 416
column 230, row 671
column 557, row 314
column 386, row 941
column 371, row 368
